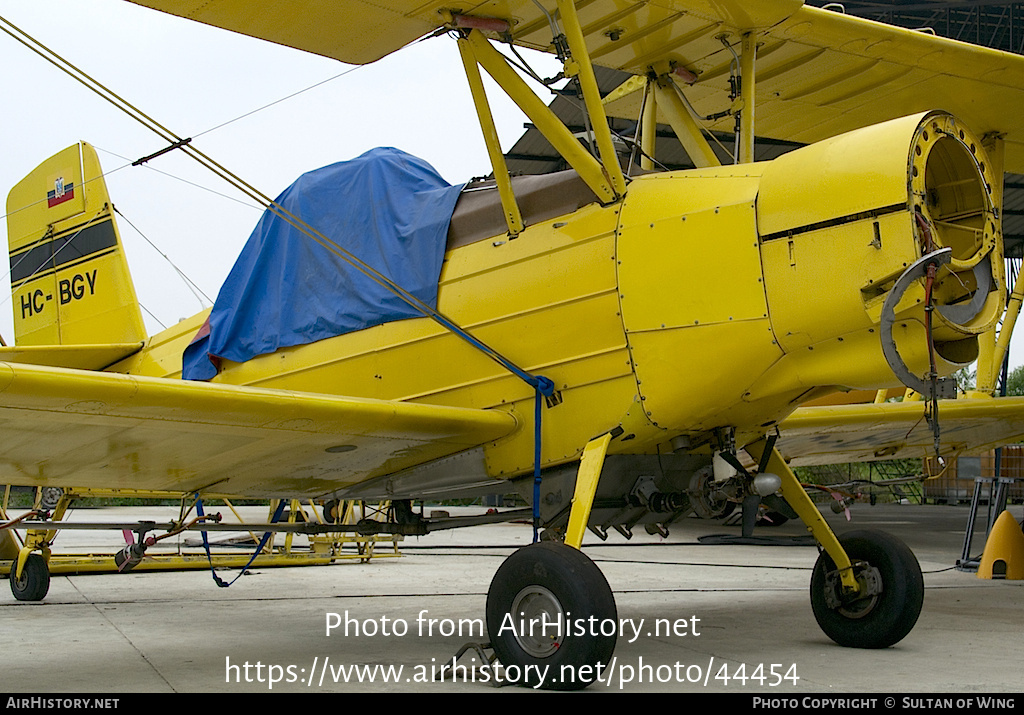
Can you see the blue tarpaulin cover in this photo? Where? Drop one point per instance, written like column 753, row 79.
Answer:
column 388, row 208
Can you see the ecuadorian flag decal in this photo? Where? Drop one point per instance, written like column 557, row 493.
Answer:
column 61, row 192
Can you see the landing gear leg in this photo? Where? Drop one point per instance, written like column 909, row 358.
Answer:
column 867, row 589
column 543, row 593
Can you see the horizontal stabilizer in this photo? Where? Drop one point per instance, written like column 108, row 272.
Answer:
column 79, row 357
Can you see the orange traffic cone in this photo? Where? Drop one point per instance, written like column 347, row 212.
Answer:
column 1004, row 551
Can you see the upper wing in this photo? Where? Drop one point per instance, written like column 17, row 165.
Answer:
column 74, row 428
column 363, row 31
column 897, row 430
column 353, row 31
column 819, row 73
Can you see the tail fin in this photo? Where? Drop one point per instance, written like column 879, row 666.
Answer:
column 69, row 278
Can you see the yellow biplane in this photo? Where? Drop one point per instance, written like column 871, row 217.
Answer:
column 615, row 347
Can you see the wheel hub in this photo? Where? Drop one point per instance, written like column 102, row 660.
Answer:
column 862, row 602
column 539, row 618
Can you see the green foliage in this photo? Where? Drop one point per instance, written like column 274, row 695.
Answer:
column 1015, row 381
column 21, row 500
column 827, row 474
column 965, row 379
column 867, row 479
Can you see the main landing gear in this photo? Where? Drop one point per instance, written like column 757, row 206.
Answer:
column 30, row 570
column 890, row 595
column 34, row 581
column 546, row 607
column 547, row 601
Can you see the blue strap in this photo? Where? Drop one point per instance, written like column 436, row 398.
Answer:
column 543, row 388
column 259, row 548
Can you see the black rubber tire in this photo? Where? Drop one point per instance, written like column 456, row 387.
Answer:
column 881, row 620
column 332, row 511
column 545, row 571
column 34, row 582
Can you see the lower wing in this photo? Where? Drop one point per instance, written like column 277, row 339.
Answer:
column 898, row 430
column 76, row 428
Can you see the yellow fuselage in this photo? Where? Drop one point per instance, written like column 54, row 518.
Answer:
column 713, row 298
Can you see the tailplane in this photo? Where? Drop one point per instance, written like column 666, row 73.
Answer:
column 69, row 278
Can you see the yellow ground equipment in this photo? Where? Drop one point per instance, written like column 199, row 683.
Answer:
column 1004, row 551
column 281, row 549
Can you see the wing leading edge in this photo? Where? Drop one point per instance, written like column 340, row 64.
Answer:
column 74, row 428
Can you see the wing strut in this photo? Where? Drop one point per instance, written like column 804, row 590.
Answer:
column 663, row 95
column 682, row 122
column 748, row 56
column 604, row 175
column 513, row 217
column 743, row 95
column 580, row 66
column 589, row 168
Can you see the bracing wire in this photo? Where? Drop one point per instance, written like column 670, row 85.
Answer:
column 277, row 101
column 150, row 314
column 247, row 204
column 52, row 261
column 189, row 283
